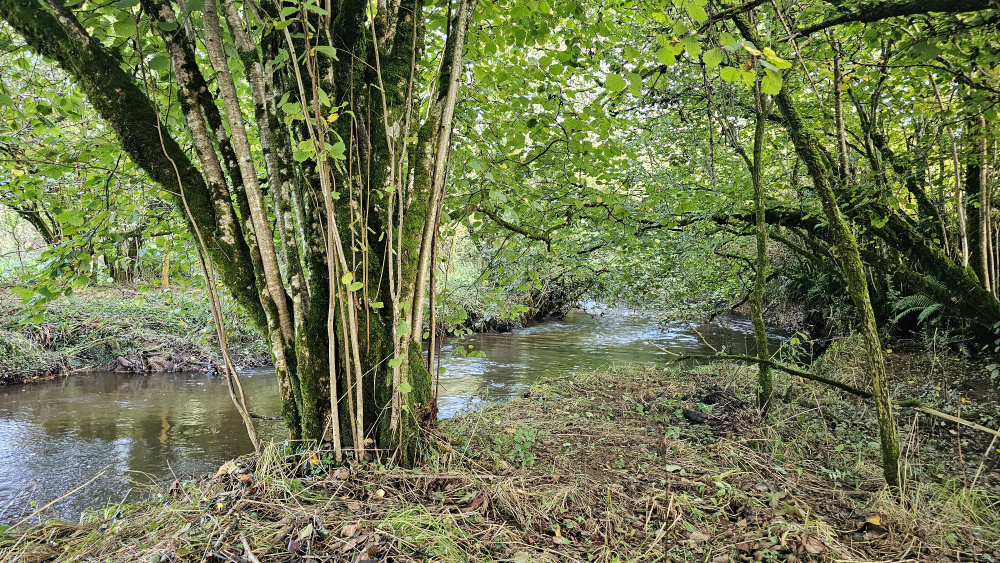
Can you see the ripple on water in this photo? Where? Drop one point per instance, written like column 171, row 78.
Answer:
column 58, row 434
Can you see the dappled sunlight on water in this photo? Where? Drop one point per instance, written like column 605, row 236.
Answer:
column 584, row 339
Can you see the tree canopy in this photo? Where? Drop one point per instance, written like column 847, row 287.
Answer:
column 323, row 155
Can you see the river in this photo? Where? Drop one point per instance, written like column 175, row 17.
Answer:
column 135, row 432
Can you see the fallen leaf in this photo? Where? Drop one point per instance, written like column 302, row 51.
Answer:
column 226, row 468
column 355, row 506
column 244, row 477
column 698, row 537
column 875, row 520
column 349, row 530
column 350, row 544
column 812, row 545
column 475, row 503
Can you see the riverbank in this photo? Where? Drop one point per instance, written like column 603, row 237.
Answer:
column 600, row 466
column 119, row 329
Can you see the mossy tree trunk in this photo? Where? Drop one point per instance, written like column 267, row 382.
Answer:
column 807, row 145
column 316, row 168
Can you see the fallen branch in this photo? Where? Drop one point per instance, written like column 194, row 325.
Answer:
column 912, row 403
column 778, row 366
column 962, row 421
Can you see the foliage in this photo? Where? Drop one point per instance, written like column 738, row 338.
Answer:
column 97, row 215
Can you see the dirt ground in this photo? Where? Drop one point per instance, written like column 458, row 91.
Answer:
column 622, row 464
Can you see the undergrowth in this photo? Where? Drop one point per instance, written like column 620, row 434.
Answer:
column 153, row 331
column 599, row 466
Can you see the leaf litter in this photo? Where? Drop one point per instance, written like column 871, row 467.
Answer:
column 602, row 466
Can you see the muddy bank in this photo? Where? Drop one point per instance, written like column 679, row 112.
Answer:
column 602, row 466
column 118, row 329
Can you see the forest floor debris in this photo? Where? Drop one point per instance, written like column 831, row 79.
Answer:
column 601, row 466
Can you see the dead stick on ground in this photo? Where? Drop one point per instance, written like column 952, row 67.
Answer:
column 910, row 403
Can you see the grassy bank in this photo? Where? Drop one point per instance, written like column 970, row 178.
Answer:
column 600, row 466
column 118, row 329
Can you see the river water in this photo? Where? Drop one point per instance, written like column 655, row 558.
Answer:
column 135, row 430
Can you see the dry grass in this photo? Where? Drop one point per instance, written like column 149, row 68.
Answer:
column 595, row 467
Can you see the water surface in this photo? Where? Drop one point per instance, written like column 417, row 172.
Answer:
column 140, row 429
column 585, row 339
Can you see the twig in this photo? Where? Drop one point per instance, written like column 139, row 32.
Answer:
column 66, row 494
column 247, row 552
column 912, row 403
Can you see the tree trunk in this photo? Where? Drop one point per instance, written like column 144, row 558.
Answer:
column 353, row 176
column 765, row 381
column 807, row 144
column 977, row 203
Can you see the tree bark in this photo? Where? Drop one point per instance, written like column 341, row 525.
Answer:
column 334, row 99
column 807, row 144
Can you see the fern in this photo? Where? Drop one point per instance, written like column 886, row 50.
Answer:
column 926, row 306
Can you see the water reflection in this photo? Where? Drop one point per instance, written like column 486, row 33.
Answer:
column 57, row 435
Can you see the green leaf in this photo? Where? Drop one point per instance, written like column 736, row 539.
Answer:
column 691, row 45
column 727, row 40
column 697, row 13
column 925, row 51
column 402, row 329
column 405, row 387
column 312, row 7
column 635, row 84
column 712, row 58
column 771, row 84
column 355, row 286
column 167, row 26
column 337, row 150
column 730, row 74
column 327, row 51
column 347, row 278
column 160, row 62
column 124, row 27
column 666, row 56
column 615, row 83
column 395, row 362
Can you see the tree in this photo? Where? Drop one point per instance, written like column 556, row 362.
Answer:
column 62, row 175
column 311, row 170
